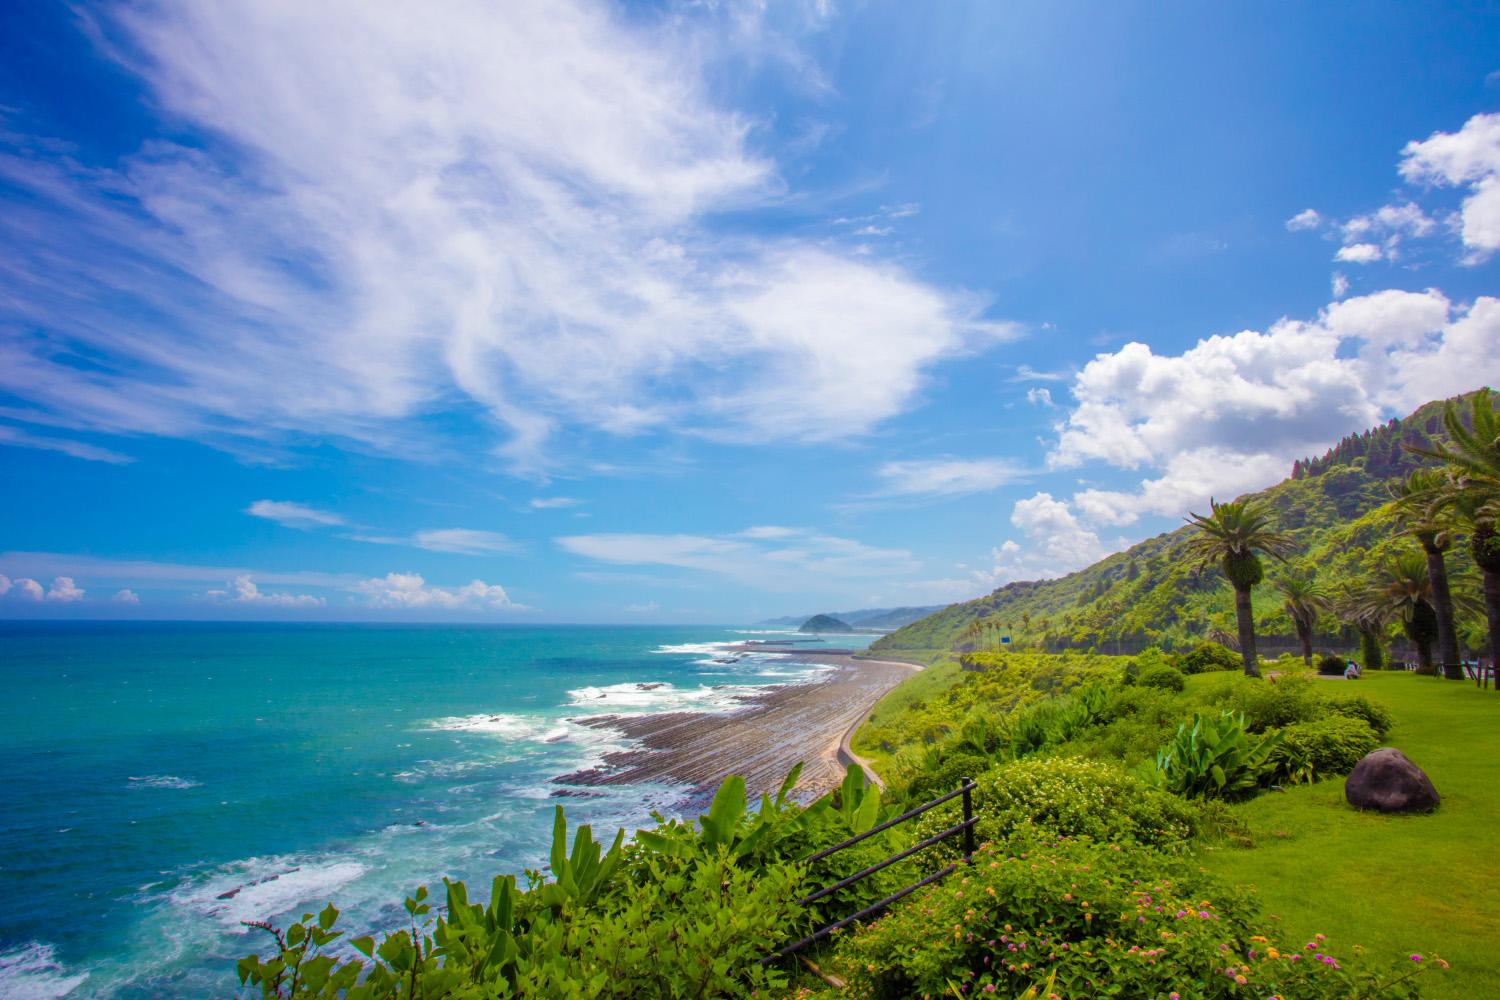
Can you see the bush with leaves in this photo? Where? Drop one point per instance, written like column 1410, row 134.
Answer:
column 1325, row 747
column 1271, row 702
column 1331, row 665
column 1163, row 677
column 1215, row 757
column 682, row 911
column 1208, row 657
column 1089, row 920
column 1357, row 706
column 1063, row 796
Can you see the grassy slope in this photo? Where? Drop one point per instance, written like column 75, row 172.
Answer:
column 1394, row 883
column 941, row 672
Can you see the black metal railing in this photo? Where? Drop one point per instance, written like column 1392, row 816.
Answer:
column 965, row 787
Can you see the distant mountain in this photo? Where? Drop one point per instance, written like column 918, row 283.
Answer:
column 825, row 623
column 1335, row 507
column 870, row 618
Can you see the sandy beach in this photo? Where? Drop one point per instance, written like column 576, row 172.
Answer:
column 762, row 741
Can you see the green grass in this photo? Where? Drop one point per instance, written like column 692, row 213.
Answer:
column 1395, row 884
column 941, row 672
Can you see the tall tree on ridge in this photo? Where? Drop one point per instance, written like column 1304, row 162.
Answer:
column 1305, row 600
column 1231, row 536
column 1422, row 499
column 1473, row 453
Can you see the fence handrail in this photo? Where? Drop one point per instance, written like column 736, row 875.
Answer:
column 965, row 786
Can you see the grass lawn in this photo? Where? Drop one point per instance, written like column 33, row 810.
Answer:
column 941, row 671
column 1395, row 884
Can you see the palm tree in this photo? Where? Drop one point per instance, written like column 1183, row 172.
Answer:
column 1421, row 505
column 1305, row 601
column 1406, row 591
column 1369, row 622
column 1473, row 453
column 1231, row 535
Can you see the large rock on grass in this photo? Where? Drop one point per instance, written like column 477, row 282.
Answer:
column 1387, row 782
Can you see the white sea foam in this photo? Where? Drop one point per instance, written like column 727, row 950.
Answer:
column 514, row 727
column 257, row 889
column 696, row 648
column 32, row 972
column 162, row 781
column 643, row 698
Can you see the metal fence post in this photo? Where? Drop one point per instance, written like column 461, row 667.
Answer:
column 969, row 827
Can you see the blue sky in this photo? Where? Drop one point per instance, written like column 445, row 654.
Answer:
column 585, row 312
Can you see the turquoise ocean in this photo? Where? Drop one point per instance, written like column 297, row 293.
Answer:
column 166, row 781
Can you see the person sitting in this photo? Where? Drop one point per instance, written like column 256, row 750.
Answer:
column 1351, row 672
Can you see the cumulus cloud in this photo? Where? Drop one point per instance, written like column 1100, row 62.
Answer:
column 1468, row 158
column 1057, row 543
column 28, row 589
column 1308, row 218
column 64, row 591
column 289, row 514
column 243, row 590
column 1040, row 396
column 1231, row 413
column 945, row 477
column 537, row 230
column 785, row 559
column 410, row 591
column 126, row 596
column 1359, row 253
column 1338, row 285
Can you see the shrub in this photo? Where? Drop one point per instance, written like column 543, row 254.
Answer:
column 1207, row 657
column 1216, row 758
column 1081, row 920
column 1272, row 702
column 1064, row 796
column 1357, row 706
column 1327, row 746
column 1163, row 677
column 952, row 765
column 1330, row 665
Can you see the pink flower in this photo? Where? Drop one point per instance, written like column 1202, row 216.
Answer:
column 1414, row 957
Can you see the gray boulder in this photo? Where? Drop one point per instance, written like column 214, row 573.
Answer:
column 1387, row 782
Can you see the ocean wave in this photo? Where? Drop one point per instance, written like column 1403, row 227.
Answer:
column 256, row 889
column 32, row 972
column 645, row 698
column 515, row 727
column 162, row 781
column 696, row 648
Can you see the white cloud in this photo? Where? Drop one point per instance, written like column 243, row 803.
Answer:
column 460, row 541
column 945, row 477
column 28, row 589
column 243, row 590
column 64, row 591
column 1231, row 413
column 159, row 573
column 1469, row 158
column 19, row 438
column 289, row 514
column 410, row 591
column 536, row 229
column 1339, row 285
column 1359, row 253
column 126, row 596
column 1040, row 396
column 552, row 503
column 643, row 609
column 775, row 561
column 1306, row 219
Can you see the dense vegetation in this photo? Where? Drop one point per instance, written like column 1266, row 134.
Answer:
column 1339, row 516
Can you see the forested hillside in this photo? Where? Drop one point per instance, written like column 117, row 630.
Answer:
column 1336, row 508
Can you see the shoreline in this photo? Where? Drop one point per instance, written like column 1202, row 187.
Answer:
column 811, row 722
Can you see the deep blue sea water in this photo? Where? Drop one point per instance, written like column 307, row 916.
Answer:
column 165, row 781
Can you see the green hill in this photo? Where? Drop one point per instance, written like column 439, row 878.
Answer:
column 824, row 623
column 1336, row 507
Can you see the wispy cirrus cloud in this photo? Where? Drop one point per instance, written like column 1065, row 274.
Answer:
column 290, row 514
column 352, row 241
column 458, row 541
column 786, row 559
column 939, row 478
column 19, row 438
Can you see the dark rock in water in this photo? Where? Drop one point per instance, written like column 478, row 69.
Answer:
column 1387, row 782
